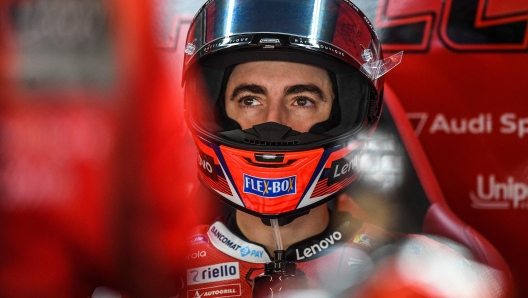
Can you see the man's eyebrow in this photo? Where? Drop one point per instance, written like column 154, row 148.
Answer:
column 300, row 88
column 253, row 88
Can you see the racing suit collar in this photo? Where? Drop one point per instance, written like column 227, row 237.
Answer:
column 341, row 227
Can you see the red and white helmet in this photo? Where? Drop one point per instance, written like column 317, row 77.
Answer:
column 270, row 170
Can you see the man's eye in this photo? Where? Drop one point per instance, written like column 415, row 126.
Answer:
column 303, row 102
column 249, row 101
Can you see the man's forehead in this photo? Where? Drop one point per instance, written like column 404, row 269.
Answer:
column 278, row 72
column 255, row 65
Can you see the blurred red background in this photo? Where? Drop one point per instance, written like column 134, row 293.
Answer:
column 119, row 158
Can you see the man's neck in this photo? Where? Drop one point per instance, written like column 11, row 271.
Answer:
column 301, row 228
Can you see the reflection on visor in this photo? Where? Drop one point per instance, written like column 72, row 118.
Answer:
column 335, row 27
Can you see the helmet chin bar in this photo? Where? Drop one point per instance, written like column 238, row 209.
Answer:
column 271, row 134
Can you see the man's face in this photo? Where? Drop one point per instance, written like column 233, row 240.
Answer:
column 292, row 94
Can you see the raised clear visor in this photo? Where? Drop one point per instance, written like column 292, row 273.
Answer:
column 376, row 69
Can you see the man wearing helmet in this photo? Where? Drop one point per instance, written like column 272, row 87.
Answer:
column 280, row 105
column 279, row 97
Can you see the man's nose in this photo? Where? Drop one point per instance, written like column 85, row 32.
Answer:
column 276, row 112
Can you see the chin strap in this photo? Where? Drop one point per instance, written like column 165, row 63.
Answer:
column 284, row 220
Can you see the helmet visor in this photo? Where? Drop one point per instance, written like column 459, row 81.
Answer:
column 333, row 27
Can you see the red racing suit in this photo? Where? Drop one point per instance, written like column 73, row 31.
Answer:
column 223, row 263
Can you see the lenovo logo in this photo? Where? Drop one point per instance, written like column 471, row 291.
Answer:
column 311, row 251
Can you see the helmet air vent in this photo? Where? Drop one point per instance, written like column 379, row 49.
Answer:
column 268, row 143
column 269, row 157
column 271, row 134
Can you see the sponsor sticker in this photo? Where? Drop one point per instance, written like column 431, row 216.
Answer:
column 492, row 193
column 367, row 241
column 355, row 263
column 312, row 250
column 343, row 168
column 224, row 238
column 483, row 123
column 270, row 188
column 213, row 273
column 218, row 291
column 206, row 165
column 196, row 239
column 246, row 250
column 230, row 244
column 196, row 255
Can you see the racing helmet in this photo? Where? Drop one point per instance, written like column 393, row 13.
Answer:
column 271, row 170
